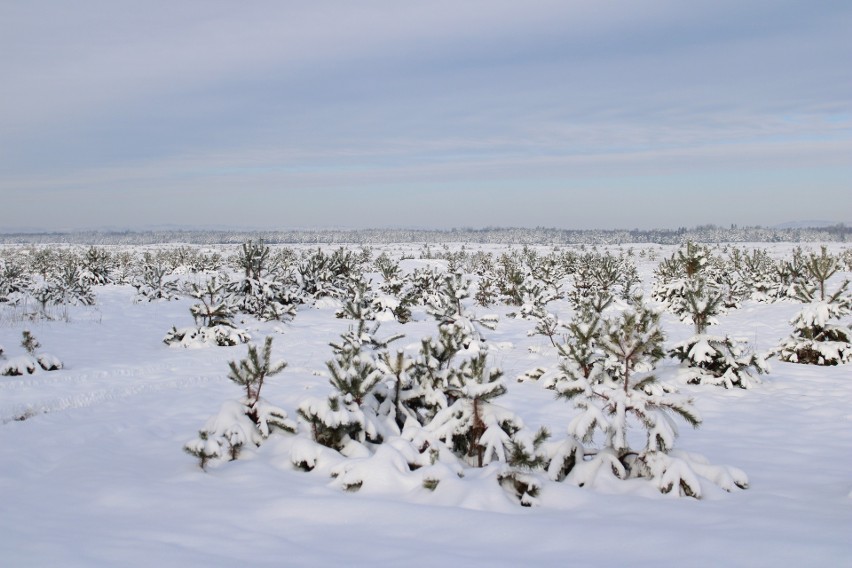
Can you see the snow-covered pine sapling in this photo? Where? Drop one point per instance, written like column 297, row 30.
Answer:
column 396, row 294
column 815, row 340
column 446, row 305
column 599, row 278
column 486, row 290
column 676, row 275
column 718, row 360
column 358, row 304
column 251, row 373
column 400, row 388
column 29, row 342
column 547, row 324
column 44, row 295
column 474, row 427
column 434, row 371
column 253, row 258
column 667, row 279
column 14, row 281
column 349, row 413
column 550, row 271
column 264, row 290
column 607, row 270
column 536, row 295
column 27, row 364
column 63, row 286
column 629, row 283
column 424, row 283
column 524, row 458
column 214, row 312
column 709, row 359
column 699, row 304
column 71, row 287
column 729, row 276
column 153, row 284
column 213, row 307
column 323, row 275
column 579, row 356
column 97, row 266
column 446, row 301
column 354, row 372
column 204, row 449
column 17, row 366
column 757, row 269
column 220, row 335
column 788, row 274
column 248, row 420
column 587, row 291
column 334, row 422
column 693, row 258
column 633, row 342
column 820, row 268
column 43, row 261
column 510, row 279
column 630, row 396
column 385, row 266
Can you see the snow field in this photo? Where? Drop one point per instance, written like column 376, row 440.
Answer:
column 95, row 475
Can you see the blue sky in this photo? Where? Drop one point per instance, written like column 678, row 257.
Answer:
column 567, row 114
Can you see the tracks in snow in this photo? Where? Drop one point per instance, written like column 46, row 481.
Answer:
column 85, row 389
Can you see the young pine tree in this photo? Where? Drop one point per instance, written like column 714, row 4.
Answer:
column 29, row 342
column 692, row 292
column 249, row 420
column 629, row 396
column 434, row 370
column 213, row 307
column 264, row 290
column 580, row 356
column 706, row 358
column 152, row 283
column 474, row 427
column 816, row 340
column 446, row 305
column 525, row 458
column 350, row 413
column 400, row 396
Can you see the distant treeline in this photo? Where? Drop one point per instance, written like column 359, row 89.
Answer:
column 491, row 235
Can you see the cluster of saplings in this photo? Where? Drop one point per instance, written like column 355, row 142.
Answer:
column 699, row 286
column 435, row 413
column 254, row 281
column 32, row 359
column 697, row 283
column 38, row 280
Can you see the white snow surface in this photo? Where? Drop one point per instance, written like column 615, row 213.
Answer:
column 92, row 471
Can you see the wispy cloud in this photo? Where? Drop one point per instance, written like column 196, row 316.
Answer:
column 168, row 100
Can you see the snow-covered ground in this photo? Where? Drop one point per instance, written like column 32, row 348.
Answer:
column 95, row 475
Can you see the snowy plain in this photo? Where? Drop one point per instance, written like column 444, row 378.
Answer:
column 96, row 475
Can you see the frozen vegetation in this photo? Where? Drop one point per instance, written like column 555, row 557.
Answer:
column 411, row 404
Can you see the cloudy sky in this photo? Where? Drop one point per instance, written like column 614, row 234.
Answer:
column 593, row 114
